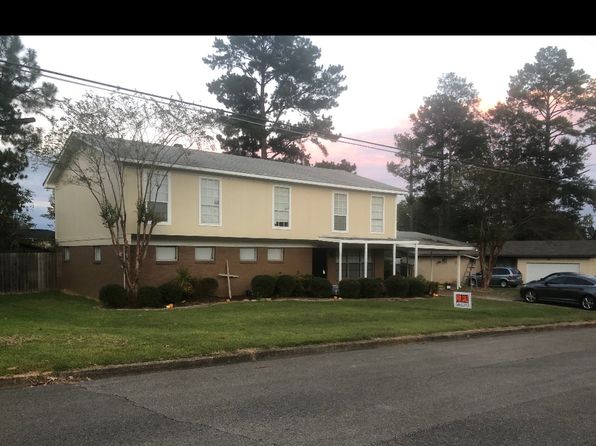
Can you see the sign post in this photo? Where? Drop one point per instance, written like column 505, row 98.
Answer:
column 462, row 300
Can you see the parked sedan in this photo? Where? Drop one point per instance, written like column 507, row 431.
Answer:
column 565, row 288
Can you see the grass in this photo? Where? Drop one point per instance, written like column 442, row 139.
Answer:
column 53, row 331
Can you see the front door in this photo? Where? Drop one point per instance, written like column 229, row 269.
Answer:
column 319, row 262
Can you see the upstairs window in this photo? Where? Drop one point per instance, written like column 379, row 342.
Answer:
column 340, row 212
column 210, row 202
column 281, row 207
column 158, row 192
column 377, row 206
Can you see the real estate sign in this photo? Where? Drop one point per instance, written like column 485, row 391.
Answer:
column 462, row 300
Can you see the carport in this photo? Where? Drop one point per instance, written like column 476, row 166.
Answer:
column 405, row 240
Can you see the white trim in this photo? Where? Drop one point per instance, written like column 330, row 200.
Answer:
column 211, row 243
column 404, row 243
column 289, row 207
column 276, row 179
column 333, row 211
column 382, row 231
column 274, row 260
column 168, row 222
column 212, row 259
column 220, row 195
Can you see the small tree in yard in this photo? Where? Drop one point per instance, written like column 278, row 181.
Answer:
column 119, row 145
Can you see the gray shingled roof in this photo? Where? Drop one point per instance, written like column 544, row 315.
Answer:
column 550, row 248
column 245, row 166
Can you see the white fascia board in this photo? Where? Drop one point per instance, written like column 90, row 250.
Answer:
column 277, row 179
column 243, row 244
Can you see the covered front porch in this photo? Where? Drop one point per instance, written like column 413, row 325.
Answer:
column 359, row 253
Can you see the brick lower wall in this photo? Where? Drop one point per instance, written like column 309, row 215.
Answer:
column 82, row 275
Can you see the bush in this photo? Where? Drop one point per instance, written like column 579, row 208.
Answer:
column 149, row 296
column 185, row 280
column 349, row 288
column 418, row 286
column 320, row 287
column 171, row 292
column 397, row 286
column 432, row 288
column 263, row 286
column 114, row 296
column 371, row 288
column 303, row 282
column 206, row 287
column 286, row 285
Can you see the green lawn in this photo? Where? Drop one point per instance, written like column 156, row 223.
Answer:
column 53, row 331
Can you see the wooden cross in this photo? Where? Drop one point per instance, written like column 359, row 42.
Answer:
column 227, row 275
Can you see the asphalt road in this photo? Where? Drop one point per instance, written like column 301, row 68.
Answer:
column 530, row 389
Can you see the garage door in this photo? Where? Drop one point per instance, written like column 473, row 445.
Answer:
column 539, row 270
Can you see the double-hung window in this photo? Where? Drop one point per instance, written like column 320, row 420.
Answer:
column 340, row 211
column 158, row 192
column 376, row 213
column 210, row 212
column 281, row 207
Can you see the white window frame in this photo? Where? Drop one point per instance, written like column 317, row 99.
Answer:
column 96, row 251
column 167, row 260
column 212, row 259
column 372, row 197
column 280, row 260
column 289, row 207
column 146, row 184
column 333, row 211
column 201, row 178
column 255, row 250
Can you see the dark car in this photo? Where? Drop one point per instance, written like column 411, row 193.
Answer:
column 501, row 276
column 564, row 288
column 553, row 275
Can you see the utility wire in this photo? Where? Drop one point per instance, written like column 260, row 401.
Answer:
column 90, row 83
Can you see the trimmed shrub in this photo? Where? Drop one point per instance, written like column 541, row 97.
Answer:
column 320, row 287
column 417, row 286
column 171, row 292
column 263, row 286
column 303, row 285
column 349, row 288
column 150, row 297
column 185, row 280
column 432, row 288
column 114, row 296
column 206, row 287
column 286, row 286
column 397, row 286
column 371, row 288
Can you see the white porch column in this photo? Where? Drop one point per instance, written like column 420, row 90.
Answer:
column 432, row 267
column 394, row 253
column 416, row 260
column 458, row 271
column 340, row 261
column 365, row 260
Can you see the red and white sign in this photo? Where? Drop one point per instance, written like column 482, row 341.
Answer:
column 462, row 300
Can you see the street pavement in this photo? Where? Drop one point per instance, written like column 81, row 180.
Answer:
column 522, row 389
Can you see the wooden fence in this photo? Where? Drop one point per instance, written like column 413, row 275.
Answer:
column 27, row 271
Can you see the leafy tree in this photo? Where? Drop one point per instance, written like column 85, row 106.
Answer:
column 344, row 164
column 269, row 82
column 19, row 94
column 123, row 144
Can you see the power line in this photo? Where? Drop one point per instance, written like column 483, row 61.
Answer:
column 90, row 83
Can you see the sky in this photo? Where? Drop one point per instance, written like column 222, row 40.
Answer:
column 387, row 79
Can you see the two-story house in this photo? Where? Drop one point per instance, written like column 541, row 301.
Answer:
column 261, row 216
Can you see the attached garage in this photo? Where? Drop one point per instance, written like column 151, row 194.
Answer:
column 537, row 271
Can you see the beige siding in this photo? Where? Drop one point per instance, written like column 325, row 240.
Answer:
column 586, row 266
column 441, row 269
column 247, row 210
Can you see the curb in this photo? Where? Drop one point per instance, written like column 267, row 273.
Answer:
column 246, row 355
